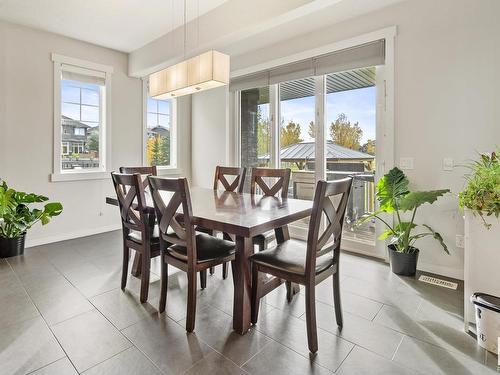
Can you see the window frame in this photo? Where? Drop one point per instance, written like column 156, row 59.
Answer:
column 62, row 63
column 173, row 168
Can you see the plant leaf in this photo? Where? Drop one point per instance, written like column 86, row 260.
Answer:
column 438, row 237
column 417, row 198
column 391, row 187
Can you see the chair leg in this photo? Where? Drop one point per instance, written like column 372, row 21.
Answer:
column 255, row 294
column 203, row 279
column 126, row 258
column 224, row 270
column 312, row 334
column 289, row 291
column 164, row 285
column 212, row 270
column 336, row 300
column 191, row 303
column 145, row 265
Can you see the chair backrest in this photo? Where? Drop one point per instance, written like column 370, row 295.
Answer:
column 131, row 200
column 237, row 184
column 168, row 216
column 148, row 171
column 330, row 199
column 258, row 175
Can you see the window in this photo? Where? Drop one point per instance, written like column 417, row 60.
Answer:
column 160, row 140
column 81, row 119
column 80, row 131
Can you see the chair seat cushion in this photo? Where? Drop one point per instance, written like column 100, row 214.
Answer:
column 136, row 235
column 207, row 248
column 290, row 256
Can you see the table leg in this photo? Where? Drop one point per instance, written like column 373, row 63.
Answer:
column 136, row 266
column 242, row 285
column 282, row 235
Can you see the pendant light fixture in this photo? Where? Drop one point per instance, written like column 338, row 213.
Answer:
column 205, row 71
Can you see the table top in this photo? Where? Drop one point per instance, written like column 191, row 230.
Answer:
column 240, row 214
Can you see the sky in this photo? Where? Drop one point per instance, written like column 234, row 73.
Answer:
column 358, row 105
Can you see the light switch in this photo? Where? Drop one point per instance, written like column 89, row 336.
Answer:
column 447, row 164
column 406, row 163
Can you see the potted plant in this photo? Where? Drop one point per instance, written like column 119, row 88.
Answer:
column 395, row 199
column 17, row 217
column 481, row 203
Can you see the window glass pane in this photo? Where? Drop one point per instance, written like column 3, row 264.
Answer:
column 159, row 142
column 80, row 123
column 70, row 110
column 163, row 120
column 90, row 97
column 69, row 93
column 90, row 113
column 163, row 107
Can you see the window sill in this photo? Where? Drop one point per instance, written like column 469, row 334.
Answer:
column 169, row 171
column 79, row 176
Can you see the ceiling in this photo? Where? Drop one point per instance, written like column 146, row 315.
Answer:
column 124, row 25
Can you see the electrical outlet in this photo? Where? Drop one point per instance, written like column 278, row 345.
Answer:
column 459, row 241
column 406, row 163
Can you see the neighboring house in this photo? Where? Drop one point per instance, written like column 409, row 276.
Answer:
column 161, row 130
column 74, row 136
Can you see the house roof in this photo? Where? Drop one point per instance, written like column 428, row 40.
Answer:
column 306, row 151
column 70, row 122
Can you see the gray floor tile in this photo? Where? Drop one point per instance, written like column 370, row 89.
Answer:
column 433, row 326
column 215, row 364
column 60, row 367
column 365, row 333
column 361, row 362
column 27, row 346
column 353, row 303
column 292, row 332
column 167, row 344
column 16, row 308
column 277, row 299
column 216, row 329
column 122, row 308
column 431, row 359
column 60, row 303
column 277, row 359
column 128, row 362
column 89, row 339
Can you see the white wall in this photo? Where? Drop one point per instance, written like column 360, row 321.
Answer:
column 446, row 97
column 26, row 128
column 209, row 127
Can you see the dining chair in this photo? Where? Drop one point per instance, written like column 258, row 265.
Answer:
column 180, row 245
column 138, row 227
column 220, row 178
column 261, row 177
column 308, row 263
column 144, row 172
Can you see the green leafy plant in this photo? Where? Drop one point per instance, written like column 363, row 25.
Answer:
column 16, row 215
column 395, row 198
column 482, row 193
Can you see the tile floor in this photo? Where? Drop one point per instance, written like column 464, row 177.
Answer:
column 62, row 312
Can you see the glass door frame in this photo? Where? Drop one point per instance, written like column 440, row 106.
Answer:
column 384, row 127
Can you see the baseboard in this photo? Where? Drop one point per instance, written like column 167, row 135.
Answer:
column 441, row 270
column 70, row 235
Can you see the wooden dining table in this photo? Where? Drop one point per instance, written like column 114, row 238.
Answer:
column 242, row 216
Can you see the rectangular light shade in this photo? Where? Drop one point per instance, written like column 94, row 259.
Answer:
column 205, row 71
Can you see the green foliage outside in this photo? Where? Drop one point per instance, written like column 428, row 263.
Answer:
column 93, row 142
column 343, row 133
column 482, row 193
column 395, row 198
column 158, row 150
column 16, row 215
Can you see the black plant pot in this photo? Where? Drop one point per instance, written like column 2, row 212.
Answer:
column 10, row 247
column 404, row 264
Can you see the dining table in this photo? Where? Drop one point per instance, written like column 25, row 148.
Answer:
column 242, row 216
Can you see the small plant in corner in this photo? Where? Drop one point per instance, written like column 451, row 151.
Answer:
column 395, row 199
column 17, row 217
column 482, row 193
